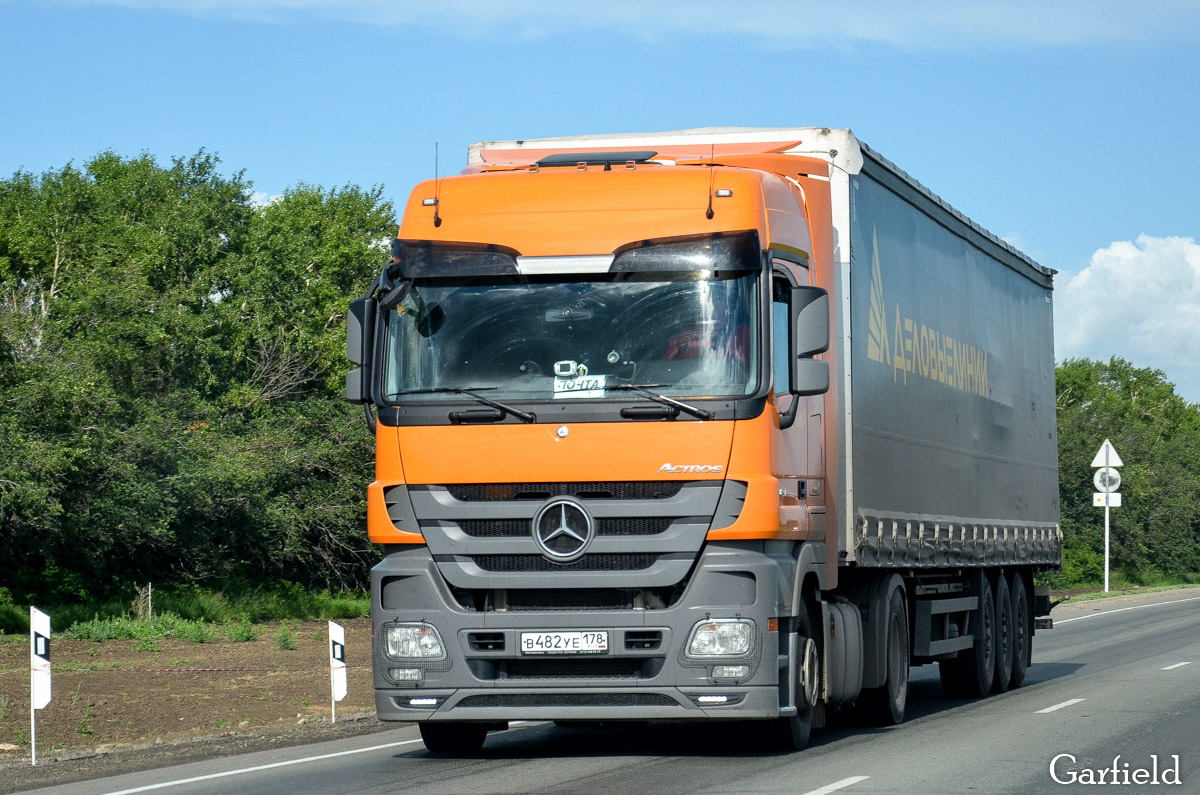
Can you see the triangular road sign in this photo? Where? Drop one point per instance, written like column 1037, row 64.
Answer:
column 1107, row 456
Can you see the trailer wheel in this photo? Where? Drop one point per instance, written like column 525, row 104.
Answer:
column 1022, row 630
column 884, row 705
column 453, row 738
column 1005, row 637
column 970, row 673
column 792, row 733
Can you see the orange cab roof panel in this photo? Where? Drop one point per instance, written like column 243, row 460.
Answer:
column 566, row 211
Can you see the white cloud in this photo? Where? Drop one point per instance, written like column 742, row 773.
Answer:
column 1140, row 301
column 930, row 24
column 262, row 199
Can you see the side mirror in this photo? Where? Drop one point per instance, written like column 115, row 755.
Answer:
column 810, row 324
column 360, row 339
column 810, row 377
column 810, row 320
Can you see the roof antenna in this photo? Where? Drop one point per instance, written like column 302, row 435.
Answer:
column 712, row 158
column 437, row 187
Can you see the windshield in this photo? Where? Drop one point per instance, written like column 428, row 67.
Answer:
column 561, row 337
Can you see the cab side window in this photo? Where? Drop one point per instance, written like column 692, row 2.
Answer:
column 781, row 342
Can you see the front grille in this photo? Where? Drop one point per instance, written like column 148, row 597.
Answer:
column 536, row 563
column 588, row 668
column 638, row 526
column 572, row 599
column 584, row 669
column 495, row 528
column 520, row 528
column 569, row 700
column 598, row 490
column 646, row 533
column 528, row 600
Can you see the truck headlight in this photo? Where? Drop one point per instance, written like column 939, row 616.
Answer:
column 721, row 637
column 414, row 641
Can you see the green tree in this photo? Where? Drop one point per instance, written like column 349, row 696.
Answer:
column 170, row 371
column 1157, row 529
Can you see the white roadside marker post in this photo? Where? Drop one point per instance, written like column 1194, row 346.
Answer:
column 39, row 672
column 1107, row 480
column 337, row 666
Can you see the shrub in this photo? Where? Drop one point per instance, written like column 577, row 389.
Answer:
column 285, row 639
column 239, row 632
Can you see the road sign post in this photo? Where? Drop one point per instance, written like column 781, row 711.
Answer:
column 337, row 666
column 1107, row 480
column 39, row 673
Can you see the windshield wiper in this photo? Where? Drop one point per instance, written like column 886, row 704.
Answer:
column 648, row 391
column 524, row 416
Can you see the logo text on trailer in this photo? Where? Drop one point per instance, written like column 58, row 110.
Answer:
column 922, row 350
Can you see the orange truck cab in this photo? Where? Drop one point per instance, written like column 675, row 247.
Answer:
column 613, row 384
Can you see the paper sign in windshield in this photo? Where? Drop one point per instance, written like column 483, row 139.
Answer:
column 579, row 386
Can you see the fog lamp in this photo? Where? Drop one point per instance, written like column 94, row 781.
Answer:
column 405, row 674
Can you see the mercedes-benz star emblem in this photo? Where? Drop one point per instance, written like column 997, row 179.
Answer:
column 563, row 529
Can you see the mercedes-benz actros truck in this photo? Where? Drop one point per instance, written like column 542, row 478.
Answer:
column 718, row 424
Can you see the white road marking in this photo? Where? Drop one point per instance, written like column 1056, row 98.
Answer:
column 255, row 769
column 837, row 785
column 1123, row 609
column 1177, row 665
column 273, row 765
column 1060, row 706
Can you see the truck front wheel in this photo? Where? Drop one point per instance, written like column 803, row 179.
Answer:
column 792, row 733
column 453, row 738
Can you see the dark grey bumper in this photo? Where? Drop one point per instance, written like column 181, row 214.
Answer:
column 644, row 674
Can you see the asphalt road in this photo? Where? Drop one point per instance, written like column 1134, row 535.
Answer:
column 1113, row 678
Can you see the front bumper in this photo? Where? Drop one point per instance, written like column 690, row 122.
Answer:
column 644, row 674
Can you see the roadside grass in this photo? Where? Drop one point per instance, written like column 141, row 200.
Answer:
column 145, row 631
column 196, row 614
column 1125, row 590
column 1078, row 580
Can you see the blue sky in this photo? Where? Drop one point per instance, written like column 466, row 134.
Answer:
column 1068, row 128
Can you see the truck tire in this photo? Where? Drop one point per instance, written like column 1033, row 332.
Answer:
column 453, row 738
column 1005, row 637
column 1022, row 630
column 969, row 674
column 792, row 733
column 884, row 705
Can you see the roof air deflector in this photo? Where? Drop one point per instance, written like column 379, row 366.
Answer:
column 606, row 159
